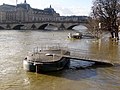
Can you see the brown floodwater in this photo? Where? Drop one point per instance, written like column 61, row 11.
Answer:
column 14, row 46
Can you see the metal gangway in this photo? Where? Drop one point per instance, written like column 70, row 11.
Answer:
column 79, row 54
column 85, row 55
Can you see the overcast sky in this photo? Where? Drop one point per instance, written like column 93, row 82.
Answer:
column 64, row 7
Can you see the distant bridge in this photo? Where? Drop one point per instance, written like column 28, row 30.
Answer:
column 42, row 25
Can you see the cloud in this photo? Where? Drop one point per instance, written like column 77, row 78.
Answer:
column 11, row 1
column 80, row 11
column 72, row 11
column 66, row 11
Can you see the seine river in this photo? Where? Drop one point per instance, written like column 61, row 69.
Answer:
column 15, row 44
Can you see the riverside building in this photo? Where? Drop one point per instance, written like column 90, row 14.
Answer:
column 25, row 13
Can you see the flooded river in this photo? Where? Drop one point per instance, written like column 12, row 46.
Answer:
column 14, row 46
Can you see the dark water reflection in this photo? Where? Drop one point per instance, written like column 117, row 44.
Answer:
column 14, row 45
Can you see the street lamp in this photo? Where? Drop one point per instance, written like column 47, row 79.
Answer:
column 99, row 25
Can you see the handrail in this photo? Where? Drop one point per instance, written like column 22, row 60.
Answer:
column 77, row 53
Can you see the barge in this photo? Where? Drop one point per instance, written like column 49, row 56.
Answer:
column 76, row 35
column 46, row 61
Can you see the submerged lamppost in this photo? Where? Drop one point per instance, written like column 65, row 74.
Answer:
column 99, row 29
column 99, row 26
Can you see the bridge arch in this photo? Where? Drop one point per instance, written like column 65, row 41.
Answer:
column 71, row 26
column 52, row 26
column 1, row 28
column 18, row 27
column 42, row 26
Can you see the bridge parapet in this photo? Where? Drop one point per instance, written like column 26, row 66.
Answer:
column 41, row 24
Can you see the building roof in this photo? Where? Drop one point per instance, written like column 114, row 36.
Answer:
column 49, row 10
column 24, row 6
column 6, row 7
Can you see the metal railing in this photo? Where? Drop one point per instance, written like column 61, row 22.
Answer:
column 86, row 55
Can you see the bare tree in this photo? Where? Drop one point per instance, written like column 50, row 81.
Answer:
column 94, row 27
column 106, row 13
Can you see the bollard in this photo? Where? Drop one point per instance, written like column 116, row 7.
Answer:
column 36, row 68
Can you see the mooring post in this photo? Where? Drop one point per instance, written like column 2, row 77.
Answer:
column 61, row 52
column 36, row 68
column 37, row 49
column 53, row 57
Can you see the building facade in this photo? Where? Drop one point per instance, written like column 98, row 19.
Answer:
column 25, row 13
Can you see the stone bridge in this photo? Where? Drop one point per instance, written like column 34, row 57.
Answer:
column 41, row 25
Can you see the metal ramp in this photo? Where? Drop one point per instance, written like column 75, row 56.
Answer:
column 78, row 54
column 84, row 55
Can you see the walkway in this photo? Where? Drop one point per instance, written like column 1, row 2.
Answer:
column 83, row 55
